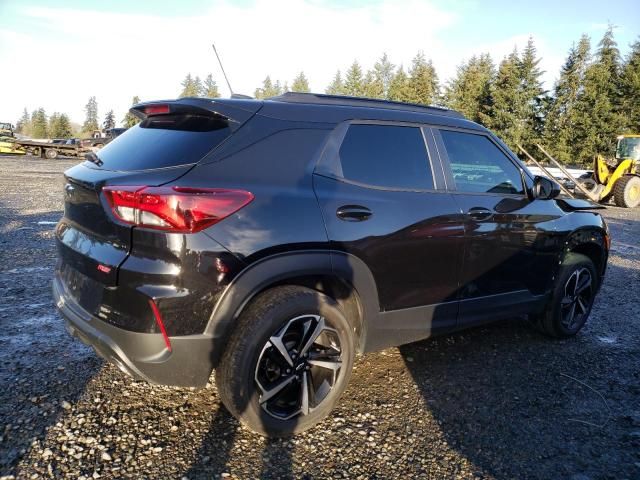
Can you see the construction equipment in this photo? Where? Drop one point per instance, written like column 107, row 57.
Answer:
column 8, row 139
column 618, row 178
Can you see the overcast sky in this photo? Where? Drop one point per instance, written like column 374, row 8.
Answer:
column 56, row 57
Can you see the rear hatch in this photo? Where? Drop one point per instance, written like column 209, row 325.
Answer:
column 170, row 139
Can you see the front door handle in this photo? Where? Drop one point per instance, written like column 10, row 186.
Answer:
column 480, row 213
column 353, row 213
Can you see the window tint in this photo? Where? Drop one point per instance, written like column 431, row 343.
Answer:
column 480, row 166
column 164, row 141
column 385, row 156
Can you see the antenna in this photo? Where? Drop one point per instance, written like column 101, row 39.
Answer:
column 222, row 68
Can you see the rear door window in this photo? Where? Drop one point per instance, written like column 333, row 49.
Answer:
column 164, row 141
column 385, row 156
column 479, row 166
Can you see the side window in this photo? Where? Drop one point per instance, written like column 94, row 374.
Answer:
column 385, row 156
column 480, row 166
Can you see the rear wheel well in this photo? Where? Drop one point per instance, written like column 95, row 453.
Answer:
column 333, row 287
column 593, row 252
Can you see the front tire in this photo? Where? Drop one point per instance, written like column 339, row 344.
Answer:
column 626, row 191
column 288, row 361
column 572, row 298
column 51, row 154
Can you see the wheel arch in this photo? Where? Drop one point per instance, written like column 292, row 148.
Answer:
column 591, row 242
column 341, row 276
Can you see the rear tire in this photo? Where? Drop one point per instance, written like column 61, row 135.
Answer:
column 267, row 350
column 571, row 299
column 51, row 154
column 626, row 191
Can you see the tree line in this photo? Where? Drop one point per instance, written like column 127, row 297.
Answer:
column 596, row 97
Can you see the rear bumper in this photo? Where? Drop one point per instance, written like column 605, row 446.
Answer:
column 142, row 355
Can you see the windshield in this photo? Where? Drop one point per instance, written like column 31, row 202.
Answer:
column 628, row 147
column 5, row 126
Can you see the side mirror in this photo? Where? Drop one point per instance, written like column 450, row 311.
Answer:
column 544, row 188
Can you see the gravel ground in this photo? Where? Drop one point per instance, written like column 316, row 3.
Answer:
column 494, row 402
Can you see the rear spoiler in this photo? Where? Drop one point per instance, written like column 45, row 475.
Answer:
column 235, row 111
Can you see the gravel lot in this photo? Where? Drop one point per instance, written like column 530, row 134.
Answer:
column 494, row 402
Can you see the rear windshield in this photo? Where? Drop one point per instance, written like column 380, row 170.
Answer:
column 163, row 141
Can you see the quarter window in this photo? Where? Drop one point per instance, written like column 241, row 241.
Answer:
column 478, row 165
column 385, row 156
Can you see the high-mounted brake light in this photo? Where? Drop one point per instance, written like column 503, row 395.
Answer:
column 156, row 110
column 174, row 209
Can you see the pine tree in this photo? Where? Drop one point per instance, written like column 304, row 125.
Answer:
column 191, row 87
column 399, row 88
column 64, row 129
column 383, row 73
column 598, row 118
column 423, row 81
column 561, row 118
column 354, row 81
column 336, row 87
column 372, row 86
column 129, row 119
column 210, row 88
column 91, row 119
column 505, row 112
column 268, row 89
column 630, row 89
column 52, row 127
column 109, row 121
column 300, row 84
column 23, row 125
column 39, row 124
column 469, row 91
column 532, row 97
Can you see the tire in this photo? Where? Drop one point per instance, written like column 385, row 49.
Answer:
column 51, row 154
column 626, row 191
column 253, row 367
column 553, row 320
column 99, row 145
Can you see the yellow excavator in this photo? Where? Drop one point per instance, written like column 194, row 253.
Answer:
column 618, row 178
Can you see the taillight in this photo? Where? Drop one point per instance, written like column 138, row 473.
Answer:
column 175, row 209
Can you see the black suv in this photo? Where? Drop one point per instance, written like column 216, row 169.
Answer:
column 275, row 240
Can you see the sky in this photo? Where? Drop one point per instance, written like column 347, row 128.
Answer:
column 56, row 55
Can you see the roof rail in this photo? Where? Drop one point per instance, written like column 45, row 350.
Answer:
column 348, row 101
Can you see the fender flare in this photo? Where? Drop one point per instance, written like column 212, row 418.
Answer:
column 591, row 237
column 277, row 268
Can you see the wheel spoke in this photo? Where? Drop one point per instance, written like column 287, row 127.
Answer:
column 320, row 326
column 582, row 305
column 575, row 285
column 571, row 315
column 304, row 403
column 586, row 283
column 328, row 364
column 269, row 394
column 277, row 343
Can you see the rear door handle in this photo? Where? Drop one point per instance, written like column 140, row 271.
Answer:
column 480, row 213
column 353, row 213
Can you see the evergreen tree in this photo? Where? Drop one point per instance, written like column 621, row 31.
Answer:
column 39, row 124
column 336, row 87
column 129, row 119
column 64, row 129
column 91, row 119
column 383, row 73
column 532, row 97
column 300, row 84
column 191, row 87
column 210, row 88
column 268, row 89
column 354, row 81
column 505, row 112
column 399, row 88
column 469, row 91
column 561, row 118
column 630, row 89
column 52, row 127
column 598, row 118
column 372, row 86
column 23, row 125
column 423, row 81
column 109, row 121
